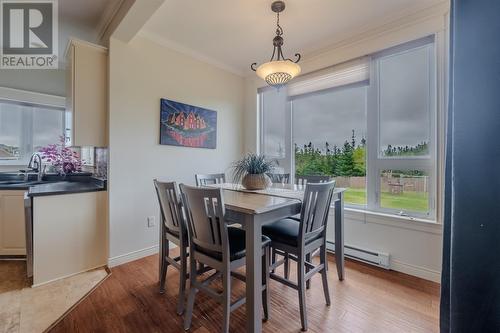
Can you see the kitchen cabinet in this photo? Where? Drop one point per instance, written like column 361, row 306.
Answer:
column 87, row 94
column 70, row 235
column 12, row 223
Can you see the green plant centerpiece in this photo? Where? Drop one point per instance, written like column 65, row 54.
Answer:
column 251, row 171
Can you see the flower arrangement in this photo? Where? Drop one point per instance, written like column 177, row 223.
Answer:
column 62, row 158
column 252, row 171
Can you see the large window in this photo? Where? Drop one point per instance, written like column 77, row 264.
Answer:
column 375, row 133
column 329, row 137
column 25, row 128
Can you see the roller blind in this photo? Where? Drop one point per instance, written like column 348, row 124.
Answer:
column 340, row 75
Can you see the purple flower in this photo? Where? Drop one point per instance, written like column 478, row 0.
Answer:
column 64, row 159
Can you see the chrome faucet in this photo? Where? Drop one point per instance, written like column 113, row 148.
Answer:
column 35, row 164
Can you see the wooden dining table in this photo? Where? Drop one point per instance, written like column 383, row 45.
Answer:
column 253, row 209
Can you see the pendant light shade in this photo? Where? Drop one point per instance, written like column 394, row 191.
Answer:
column 278, row 73
column 279, row 70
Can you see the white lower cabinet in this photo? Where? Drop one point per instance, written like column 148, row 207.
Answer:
column 12, row 223
column 69, row 235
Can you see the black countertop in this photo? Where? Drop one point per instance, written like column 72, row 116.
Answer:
column 66, row 187
column 59, row 186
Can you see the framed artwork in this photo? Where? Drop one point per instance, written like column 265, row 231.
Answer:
column 187, row 125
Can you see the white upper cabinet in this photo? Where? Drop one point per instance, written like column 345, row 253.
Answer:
column 87, row 94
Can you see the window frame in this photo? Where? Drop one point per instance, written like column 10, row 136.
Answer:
column 376, row 163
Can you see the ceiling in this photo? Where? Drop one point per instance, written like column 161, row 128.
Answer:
column 234, row 34
column 83, row 12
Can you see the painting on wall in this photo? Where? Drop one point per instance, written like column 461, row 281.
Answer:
column 187, row 125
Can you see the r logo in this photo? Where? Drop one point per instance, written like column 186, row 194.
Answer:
column 28, row 29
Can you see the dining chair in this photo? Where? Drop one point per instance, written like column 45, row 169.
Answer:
column 303, row 180
column 172, row 229
column 279, row 178
column 217, row 245
column 209, row 179
column 300, row 240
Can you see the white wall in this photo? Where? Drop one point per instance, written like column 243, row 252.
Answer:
column 48, row 81
column 415, row 247
column 142, row 72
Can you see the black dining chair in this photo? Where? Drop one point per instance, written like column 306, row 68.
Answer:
column 215, row 244
column 209, row 179
column 303, row 180
column 299, row 240
column 279, row 178
column 172, row 229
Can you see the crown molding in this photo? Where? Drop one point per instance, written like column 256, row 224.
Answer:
column 107, row 17
column 399, row 21
column 158, row 39
column 392, row 23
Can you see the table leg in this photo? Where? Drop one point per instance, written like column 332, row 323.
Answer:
column 339, row 235
column 253, row 231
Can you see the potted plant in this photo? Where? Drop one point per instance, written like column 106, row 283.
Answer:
column 252, row 171
column 63, row 159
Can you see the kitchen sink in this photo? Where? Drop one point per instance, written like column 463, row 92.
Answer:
column 23, row 182
column 11, row 178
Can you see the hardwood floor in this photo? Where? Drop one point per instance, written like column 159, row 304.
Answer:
column 369, row 300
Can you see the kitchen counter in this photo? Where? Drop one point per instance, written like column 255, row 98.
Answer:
column 67, row 187
column 56, row 185
column 63, row 220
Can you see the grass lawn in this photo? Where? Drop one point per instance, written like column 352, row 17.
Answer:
column 410, row 201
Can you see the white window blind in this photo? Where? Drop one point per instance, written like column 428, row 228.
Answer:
column 341, row 75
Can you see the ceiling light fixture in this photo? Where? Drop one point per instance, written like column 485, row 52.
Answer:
column 278, row 72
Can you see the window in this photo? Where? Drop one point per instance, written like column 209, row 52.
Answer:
column 401, row 131
column 329, row 137
column 273, row 123
column 25, row 128
column 374, row 132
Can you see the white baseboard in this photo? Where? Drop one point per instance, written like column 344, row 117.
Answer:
column 131, row 256
column 418, row 271
column 66, row 276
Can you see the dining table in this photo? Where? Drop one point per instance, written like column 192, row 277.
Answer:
column 255, row 208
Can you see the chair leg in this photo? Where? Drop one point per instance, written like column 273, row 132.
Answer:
column 192, row 294
column 287, row 266
column 265, row 281
column 308, row 282
column 182, row 281
column 165, row 249
column 324, row 275
column 302, row 292
column 273, row 258
column 226, row 299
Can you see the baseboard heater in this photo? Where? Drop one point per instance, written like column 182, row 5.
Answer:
column 366, row 256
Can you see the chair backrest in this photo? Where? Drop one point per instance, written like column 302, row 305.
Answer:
column 204, row 180
column 303, row 180
column 205, row 218
column 279, row 178
column 315, row 208
column 170, row 205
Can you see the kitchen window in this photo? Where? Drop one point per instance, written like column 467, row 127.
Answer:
column 25, row 128
column 371, row 124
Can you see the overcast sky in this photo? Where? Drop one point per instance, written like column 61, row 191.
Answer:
column 331, row 116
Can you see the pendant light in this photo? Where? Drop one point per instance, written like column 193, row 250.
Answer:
column 279, row 70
